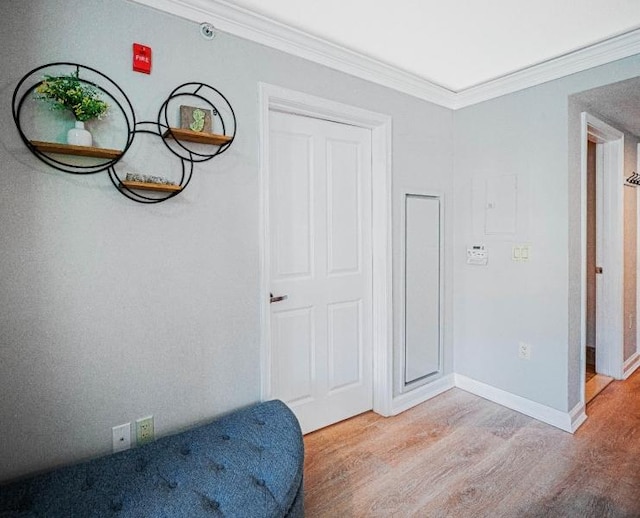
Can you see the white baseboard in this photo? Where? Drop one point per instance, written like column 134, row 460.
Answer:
column 420, row 395
column 578, row 416
column 631, row 365
column 564, row 420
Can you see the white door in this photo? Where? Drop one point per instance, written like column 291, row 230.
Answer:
column 320, row 260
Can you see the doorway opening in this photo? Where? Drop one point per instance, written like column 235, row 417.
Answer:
column 603, row 255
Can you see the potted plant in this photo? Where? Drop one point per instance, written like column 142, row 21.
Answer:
column 68, row 92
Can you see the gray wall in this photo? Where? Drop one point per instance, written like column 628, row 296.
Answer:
column 534, row 135
column 113, row 310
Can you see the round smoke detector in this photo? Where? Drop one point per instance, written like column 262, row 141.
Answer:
column 207, row 30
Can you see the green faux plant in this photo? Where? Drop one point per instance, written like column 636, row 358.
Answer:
column 68, row 92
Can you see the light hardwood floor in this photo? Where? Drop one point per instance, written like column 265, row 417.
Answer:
column 458, row 455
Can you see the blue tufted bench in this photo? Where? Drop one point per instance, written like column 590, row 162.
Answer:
column 246, row 464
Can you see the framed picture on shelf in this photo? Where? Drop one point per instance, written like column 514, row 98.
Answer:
column 195, row 119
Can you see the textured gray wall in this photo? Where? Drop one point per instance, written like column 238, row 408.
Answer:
column 113, row 310
column 535, row 135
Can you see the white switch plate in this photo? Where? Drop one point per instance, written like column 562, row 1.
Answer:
column 520, row 253
column 121, row 437
column 524, row 351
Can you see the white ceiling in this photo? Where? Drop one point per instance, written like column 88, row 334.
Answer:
column 456, row 44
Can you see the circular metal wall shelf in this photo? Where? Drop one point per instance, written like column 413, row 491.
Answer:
column 185, row 144
column 180, row 136
column 54, row 154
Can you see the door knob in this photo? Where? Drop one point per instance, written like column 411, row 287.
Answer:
column 598, row 269
column 280, row 298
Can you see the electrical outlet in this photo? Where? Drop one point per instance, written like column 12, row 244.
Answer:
column 524, row 351
column 121, row 437
column 144, row 430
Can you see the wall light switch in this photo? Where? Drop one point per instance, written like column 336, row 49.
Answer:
column 520, row 253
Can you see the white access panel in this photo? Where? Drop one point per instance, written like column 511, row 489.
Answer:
column 422, row 288
column 501, row 205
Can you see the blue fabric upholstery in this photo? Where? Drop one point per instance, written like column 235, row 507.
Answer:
column 246, row 464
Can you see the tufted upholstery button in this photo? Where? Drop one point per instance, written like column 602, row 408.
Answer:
column 216, row 467
column 185, row 449
column 172, row 484
column 116, row 505
column 225, row 437
column 260, row 482
column 88, row 483
column 141, row 464
column 260, row 422
column 210, row 503
column 25, row 504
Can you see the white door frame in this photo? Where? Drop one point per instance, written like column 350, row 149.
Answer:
column 281, row 99
column 633, row 362
column 610, row 359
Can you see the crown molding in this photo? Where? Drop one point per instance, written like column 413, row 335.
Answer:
column 600, row 53
column 247, row 24
column 260, row 29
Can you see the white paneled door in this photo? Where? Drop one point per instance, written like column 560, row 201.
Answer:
column 320, row 268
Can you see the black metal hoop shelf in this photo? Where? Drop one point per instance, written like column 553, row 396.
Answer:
column 179, row 141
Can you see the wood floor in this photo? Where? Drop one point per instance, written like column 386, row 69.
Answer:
column 458, row 455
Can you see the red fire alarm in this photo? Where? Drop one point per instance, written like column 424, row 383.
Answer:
column 141, row 58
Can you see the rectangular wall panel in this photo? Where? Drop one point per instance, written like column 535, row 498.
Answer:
column 294, row 369
column 345, row 343
column 292, row 171
column 343, row 207
column 422, row 287
column 501, row 204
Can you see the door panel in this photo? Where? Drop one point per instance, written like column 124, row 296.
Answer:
column 293, row 336
column 320, row 249
column 343, row 207
column 345, row 344
column 292, row 221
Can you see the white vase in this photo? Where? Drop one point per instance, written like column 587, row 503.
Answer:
column 79, row 136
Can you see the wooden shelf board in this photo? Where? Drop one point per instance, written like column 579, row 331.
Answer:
column 151, row 186
column 67, row 149
column 197, row 136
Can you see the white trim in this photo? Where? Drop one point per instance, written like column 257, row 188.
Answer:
column 600, row 53
column 628, row 370
column 242, row 22
column 631, row 365
column 584, row 135
column 557, row 418
column 421, row 394
column 277, row 98
column 592, row 127
column 577, row 416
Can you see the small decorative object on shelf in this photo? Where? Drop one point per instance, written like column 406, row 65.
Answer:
column 68, row 92
column 149, row 182
column 195, row 119
column 147, row 178
column 79, row 136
